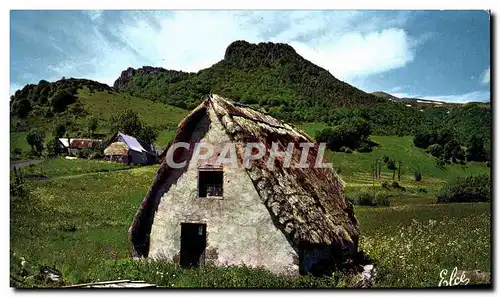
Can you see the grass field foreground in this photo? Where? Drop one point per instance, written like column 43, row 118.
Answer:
column 78, row 224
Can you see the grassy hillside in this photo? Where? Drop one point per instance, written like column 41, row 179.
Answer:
column 101, row 105
column 105, row 104
column 356, row 168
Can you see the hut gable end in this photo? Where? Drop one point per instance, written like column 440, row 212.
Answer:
column 292, row 207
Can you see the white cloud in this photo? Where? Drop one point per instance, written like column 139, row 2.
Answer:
column 356, row 55
column 475, row 96
column 350, row 44
column 485, row 77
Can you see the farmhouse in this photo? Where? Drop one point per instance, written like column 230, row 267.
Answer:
column 72, row 146
column 283, row 218
column 128, row 149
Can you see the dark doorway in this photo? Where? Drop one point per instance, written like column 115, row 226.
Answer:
column 193, row 243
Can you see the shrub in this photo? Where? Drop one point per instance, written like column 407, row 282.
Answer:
column 369, row 197
column 365, row 148
column 382, row 199
column 35, row 138
column 84, row 153
column 476, row 150
column 440, row 163
column 58, row 129
column 351, row 133
column 77, row 108
column 418, row 176
column 62, row 99
column 54, row 148
column 92, row 124
column 451, row 150
column 421, row 140
column 365, row 198
column 422, row 190
column 471, row 189
column 391, row 164
column 22, row 108
column 17, row 151
column 96, row 155
column 395, row 185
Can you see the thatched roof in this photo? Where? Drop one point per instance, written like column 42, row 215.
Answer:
column 116, row 149
column 306, row 204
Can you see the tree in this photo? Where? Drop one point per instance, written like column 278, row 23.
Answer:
column 127, row 122
column 451, row 149
column 59, row 129
column 92, row 124
column 436, row 150
column 475, row 149
column 352, row 133
column 357, row 130
column 391, row 165
column 35, row 139
column 444, row 136
column 440, row 163
column 460, row 154
column 53, row 147
column 148, row 134
column 337, row 138
column 322, row 135
column 22, row 108
column 62, row 99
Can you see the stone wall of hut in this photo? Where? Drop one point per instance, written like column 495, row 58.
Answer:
column 239, row 227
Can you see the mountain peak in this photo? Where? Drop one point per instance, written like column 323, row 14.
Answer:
column 245, row 53
column 129, row 72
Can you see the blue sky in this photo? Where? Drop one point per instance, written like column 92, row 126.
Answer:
column 442, row 55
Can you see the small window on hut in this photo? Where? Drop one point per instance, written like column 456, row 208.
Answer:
column 210, row 183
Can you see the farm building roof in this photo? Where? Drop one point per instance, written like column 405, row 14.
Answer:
column 132, row 143
column 78, row 142
column 306, row 203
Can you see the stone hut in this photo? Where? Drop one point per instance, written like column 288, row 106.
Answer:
column 286, row 219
